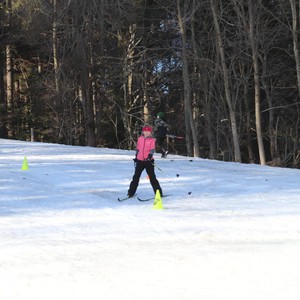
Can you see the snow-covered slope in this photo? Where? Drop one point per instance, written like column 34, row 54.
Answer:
column 228, row 230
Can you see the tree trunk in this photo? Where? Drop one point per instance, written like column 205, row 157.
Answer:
column 186, row 82
column 9, row 75
column 248, row 124
column 267, row 88
column 256, row 85
column 237, row 153
column 295, row 32
column 54, row 46
column 128, row 83
column 9, row 91
column 3, row 128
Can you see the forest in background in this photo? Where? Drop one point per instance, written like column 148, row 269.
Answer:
column 92, row 72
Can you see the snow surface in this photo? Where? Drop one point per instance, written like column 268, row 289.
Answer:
column 64, row 235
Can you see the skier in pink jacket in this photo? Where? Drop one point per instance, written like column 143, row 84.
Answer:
column 144, row 160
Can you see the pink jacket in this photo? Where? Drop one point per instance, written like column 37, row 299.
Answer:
column 144, row 147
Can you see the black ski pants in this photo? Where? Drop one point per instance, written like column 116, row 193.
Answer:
column 139, row 168
column 161, row 145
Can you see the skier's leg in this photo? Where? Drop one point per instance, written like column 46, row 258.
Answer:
column 153, row 180
column 140, row 166
column 160, row 145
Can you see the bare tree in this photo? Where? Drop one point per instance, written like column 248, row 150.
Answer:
column 189, row 120
column 235, row 137
column 250, row 28
column 9, row 73
column 295, row 27
column 252, row 39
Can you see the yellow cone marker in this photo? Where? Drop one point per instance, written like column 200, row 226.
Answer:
column 157, row 201
column 25, row 166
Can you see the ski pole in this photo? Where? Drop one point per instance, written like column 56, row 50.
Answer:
column 177, row 175
column 172, row 181
column 157, row 167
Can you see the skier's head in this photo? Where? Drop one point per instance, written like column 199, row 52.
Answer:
column 161, row 115
column 146, row 131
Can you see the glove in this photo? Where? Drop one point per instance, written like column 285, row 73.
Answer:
column 149, row 158
column 134, row 161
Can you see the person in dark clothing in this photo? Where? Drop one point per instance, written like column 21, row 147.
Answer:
column 144, row 160
column 160, row 133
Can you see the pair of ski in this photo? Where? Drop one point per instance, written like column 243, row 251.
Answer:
column 140, row 199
